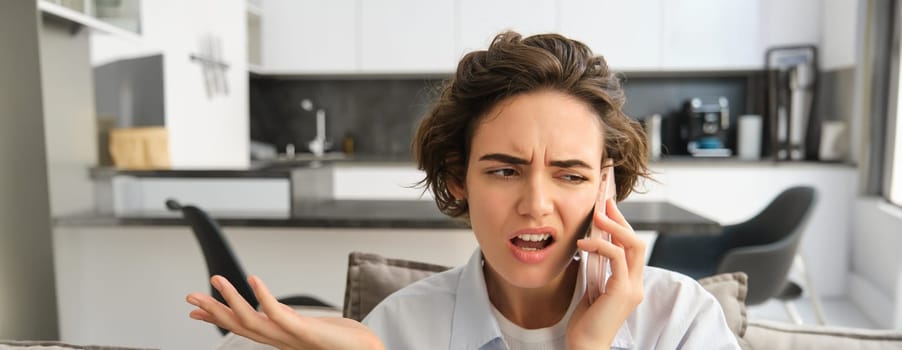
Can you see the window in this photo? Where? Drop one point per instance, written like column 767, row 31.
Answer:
column 892, row 161
column 894, row 158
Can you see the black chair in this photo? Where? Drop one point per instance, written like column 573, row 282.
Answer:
column 222, row 261
column 764, row 247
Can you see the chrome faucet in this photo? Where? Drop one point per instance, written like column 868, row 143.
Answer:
column 319, row 144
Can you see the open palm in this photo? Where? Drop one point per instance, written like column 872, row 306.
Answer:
column 278, row 324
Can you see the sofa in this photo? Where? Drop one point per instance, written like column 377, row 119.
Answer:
column 371, row 277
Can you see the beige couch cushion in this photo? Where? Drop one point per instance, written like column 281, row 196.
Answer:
column 371, row 278
column 783, row 336
column 53, row 345
column 730, row 289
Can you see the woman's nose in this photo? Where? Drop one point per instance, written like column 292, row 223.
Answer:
column 536, row 199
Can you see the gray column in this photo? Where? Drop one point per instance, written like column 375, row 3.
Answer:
column 27, row 295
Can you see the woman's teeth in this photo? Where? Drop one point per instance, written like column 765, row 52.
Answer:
column 532, row 242
column 534, row 237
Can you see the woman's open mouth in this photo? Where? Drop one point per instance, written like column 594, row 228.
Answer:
column 532, row 242
column 531, row 247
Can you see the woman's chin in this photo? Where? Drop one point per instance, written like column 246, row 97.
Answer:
column 533, row 277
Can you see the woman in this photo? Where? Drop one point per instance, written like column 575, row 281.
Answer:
column 514, row 145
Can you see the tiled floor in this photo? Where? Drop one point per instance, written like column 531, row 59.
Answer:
column 838, row 312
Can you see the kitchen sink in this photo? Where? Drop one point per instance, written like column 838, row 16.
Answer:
column 300, row 160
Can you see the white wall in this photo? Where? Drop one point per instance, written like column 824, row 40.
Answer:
column 876, row 284
column 27, row 298
column 70, row 118
column 204, row 132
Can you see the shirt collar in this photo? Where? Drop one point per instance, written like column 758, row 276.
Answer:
column 473, row 326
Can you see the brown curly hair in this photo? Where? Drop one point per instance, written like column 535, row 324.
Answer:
column 514, row 65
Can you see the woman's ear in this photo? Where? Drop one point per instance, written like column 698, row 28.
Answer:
column 457, row 190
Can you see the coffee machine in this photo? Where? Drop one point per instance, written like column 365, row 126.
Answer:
column 705, row 127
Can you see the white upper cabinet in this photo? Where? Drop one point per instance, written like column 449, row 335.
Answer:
column 711, row 35
column 626, row 33
column 407, row 36
column 480, row 20
column 839, row 27
column 310, row 36
column 790, row 23
column 430, row 36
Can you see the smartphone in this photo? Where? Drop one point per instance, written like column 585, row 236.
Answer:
column 598, row 267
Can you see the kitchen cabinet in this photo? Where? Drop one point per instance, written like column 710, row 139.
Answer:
column 392, row 40
column 480, row 21
column 839, row 27
column 786, row 23
column 626, row 33
column 357, row 36
column 120, row 19
column 310, row 36
column 710, row 35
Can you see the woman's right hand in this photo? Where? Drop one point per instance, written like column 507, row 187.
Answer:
column 596, row 326
column 278, row 324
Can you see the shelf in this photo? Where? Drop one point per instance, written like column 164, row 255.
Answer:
column 86, row 21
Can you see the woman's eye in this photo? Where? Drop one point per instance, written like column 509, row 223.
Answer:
column 503, row 172
column 574, row 178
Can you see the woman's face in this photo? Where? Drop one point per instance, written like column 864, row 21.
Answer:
column 532, row 180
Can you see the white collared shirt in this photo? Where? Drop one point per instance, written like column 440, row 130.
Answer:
column 451, row 310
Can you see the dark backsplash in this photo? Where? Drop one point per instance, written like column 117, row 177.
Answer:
column 381, row 114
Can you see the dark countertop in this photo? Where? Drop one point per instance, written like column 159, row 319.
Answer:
column 652, row 216
column 283, row 168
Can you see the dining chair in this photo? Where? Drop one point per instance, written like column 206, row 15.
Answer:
column 221, row 260
column 764, row 247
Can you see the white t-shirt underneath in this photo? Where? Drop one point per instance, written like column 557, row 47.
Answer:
column 548, row 338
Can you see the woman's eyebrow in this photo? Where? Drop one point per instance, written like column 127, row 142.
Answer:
column 509, row 159
column 570, row 163
column 504, row 158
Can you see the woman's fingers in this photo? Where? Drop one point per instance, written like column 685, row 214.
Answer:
column 622, row 234
column 614, row 253
column 614, row 213
column 289, row 322
column 236, row 302
column 200, row 314
column 239, row 317
column 213, row 311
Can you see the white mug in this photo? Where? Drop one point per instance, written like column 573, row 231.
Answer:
column 833, row 143
column 749, row 138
